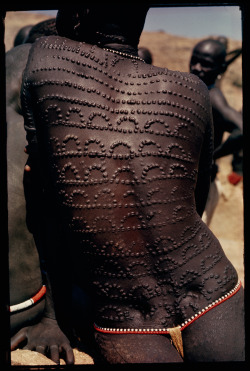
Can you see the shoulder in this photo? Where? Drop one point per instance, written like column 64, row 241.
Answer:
column 20, row 49
column 219, row 102
column 40, row 50
column 54, row 42
column 45, row 42
column 50, row 46
column 196, row 84
column 16, row 60
column 186, row 92
column 191, row 88
column 216, row 96
column 186, row 82
column 17, row 56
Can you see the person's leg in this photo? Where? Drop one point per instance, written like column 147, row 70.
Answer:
column 136, row 348
column 219, row 335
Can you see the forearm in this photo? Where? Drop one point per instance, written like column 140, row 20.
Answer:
column 27, row 112
column 49, row 311
column 233, row 143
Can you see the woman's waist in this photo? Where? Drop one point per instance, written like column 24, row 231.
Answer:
column 138, row 253
column 161, row 312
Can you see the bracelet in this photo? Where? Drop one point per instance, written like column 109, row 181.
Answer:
column 28, row 303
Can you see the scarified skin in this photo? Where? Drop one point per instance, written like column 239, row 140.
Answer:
column 123, row 142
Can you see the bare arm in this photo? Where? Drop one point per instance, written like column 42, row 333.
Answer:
column 46, row 336
column 230, row 121
column 205, row 165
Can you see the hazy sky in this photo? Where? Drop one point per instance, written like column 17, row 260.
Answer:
column 194, row 21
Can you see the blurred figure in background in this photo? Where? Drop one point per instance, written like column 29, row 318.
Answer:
column 208, row 62
column 31, row 320
column 237, row 162
column 29, row 34
column 21, row 35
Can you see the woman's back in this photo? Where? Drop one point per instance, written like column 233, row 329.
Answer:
column 126, row 143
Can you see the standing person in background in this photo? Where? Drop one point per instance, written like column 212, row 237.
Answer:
column 208, row 61
column 31, row 317
column 237, row 162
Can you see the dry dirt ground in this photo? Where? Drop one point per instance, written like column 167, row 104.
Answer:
column 227, row 224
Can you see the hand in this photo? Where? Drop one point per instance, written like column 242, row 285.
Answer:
column 32, row 153
column 27, row 167
column 46, row 338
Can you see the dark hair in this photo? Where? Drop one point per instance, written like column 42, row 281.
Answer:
column 217, row 49
column 44, row 28
column 105, row 20
column 145, row 54
column 22, row 35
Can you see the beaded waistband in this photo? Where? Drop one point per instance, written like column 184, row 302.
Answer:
column 28, row 303
column 185, row 324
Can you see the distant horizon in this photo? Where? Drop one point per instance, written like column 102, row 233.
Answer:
column 195, row 22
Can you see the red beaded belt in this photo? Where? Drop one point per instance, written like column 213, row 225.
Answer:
column 167, row 330
column 174, row 332
column 28, row 303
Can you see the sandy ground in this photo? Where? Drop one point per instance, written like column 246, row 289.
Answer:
column 227, row 224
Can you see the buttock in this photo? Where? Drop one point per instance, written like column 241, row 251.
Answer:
column 132, row 345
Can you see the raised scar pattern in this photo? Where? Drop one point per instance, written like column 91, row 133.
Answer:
column 121, row 148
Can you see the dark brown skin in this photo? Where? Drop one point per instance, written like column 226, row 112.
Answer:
column 208, row 60
column 35, row 328
column 126, row 150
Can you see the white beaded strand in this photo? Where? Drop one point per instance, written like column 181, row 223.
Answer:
column 122, row 54
column 166, row 330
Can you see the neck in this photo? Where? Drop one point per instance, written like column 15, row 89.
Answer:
column 111, row 26
column 114, row 41
column 124, row 48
